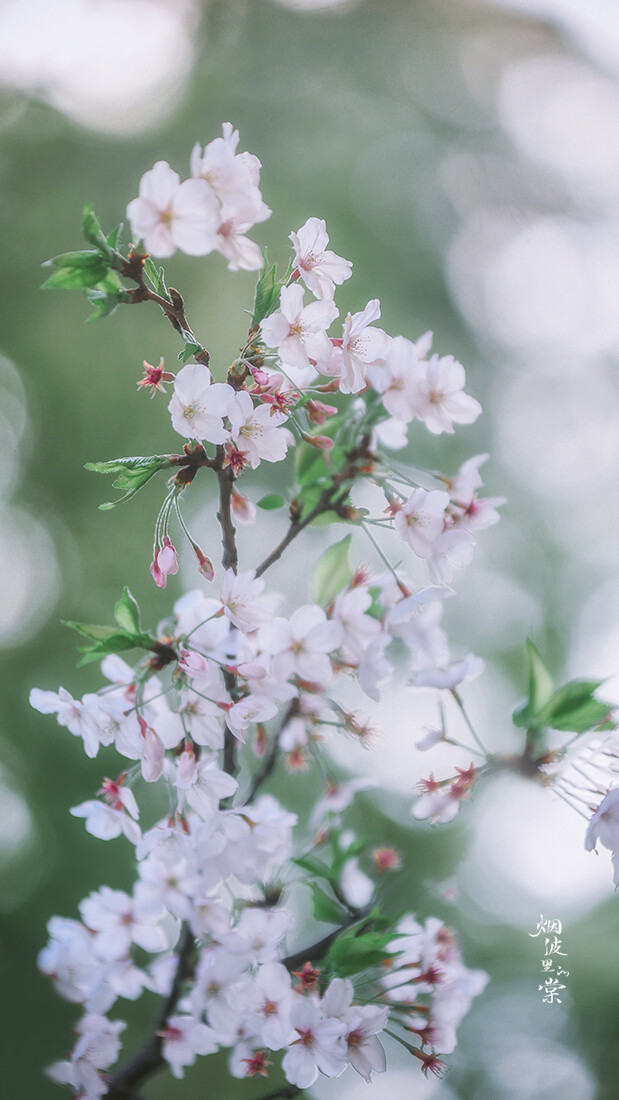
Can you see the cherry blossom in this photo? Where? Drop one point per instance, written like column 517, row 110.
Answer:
column 256, row 430
column 169, row 214
column 299, row 333
column 361, row 347
column 604, row 826
column 420, row 520
column 320, row 1045
column 184, row 1038
column 199, row 405
column 320, row 269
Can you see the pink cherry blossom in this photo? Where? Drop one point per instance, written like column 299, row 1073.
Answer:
column 361, row 348
column 319, row 268
column 604, row 826
column 299, row 333
column 255, row 430
column 169, row 214
column 199, row 406
column 420, row 520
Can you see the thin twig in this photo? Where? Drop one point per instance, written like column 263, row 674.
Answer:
column 173, row 307
column 269, row 761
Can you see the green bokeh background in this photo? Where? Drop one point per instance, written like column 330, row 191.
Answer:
column 351, row 112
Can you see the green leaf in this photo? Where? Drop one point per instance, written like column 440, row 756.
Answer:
column 132, row 473
column 270, row 502
column 540, row 690
column 326, row 908
column 92, row 231
column 116, row 643
column 314, row 867
column 157, row 277
column 265, row 291
column 352, row 953
column 573, row 708
column 93, row 631
column 113, row 237
column 191, row 348
column 127, row 613
column 78, row 274
column 332, row 572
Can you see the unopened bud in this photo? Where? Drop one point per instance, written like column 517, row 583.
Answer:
column 318, row 411
column 320, row 442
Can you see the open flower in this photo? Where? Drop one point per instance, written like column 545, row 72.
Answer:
column 169, row 214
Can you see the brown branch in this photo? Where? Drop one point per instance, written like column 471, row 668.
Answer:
column 331, row 500
column 173, row 307
column 225, row 478
column 268, row 763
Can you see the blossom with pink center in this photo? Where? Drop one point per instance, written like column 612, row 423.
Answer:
column 169, row 214
column 251, row 709
column 241, row 598
column 398, row 379
column 320, row 269
column 320, row 1044
column 199, row 406
column 362, row 1024
column 97, row 1048
column 234, row 177
column 301, row 646
column 118, row 920
column 184, row 1037
column 266, row 999
column 235, row 221
column 202, row 784
column 78, row 717
column 441, row 402
column 154, row 378
column 361, row 348
column 420, row 520
column 604, row 826
column 300, row 333
column 255, row 430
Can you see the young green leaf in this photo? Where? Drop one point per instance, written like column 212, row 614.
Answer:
column 332, row 572
column 132, row 474
column 127, row 613
column 573, row 707
column 326, row 908
column 270, row 502
column 540, row 690
column 77, row 270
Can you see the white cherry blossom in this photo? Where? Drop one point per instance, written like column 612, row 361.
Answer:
column 299, row 333
column 320, row 269
column 420, row 520
column 184, row 1037
column 169, row 214
column 199, row 406
column 361, row 348
column 255, row 430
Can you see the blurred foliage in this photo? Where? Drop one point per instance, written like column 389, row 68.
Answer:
column 350, row 113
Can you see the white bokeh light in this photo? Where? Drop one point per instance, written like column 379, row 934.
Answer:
column 116, row 66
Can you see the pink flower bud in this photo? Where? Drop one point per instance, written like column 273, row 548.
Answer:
column 320, row 442
column 158, row 577
column 260, row 377
column 318, row 411
column 193, row 663
column 242, row 507
column 168, row 558
column 205, row 564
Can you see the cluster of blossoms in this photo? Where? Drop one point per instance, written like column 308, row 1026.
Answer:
column 228, row 678
column 213, row 209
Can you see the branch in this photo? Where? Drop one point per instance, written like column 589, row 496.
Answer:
column 173, row 307
column 225, row 478
column 268, row 763
column 331, row 500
